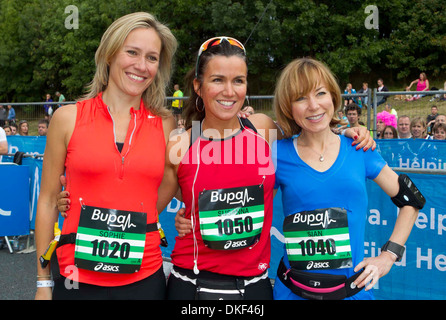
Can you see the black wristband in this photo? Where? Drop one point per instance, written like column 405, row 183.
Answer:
column 394, row 248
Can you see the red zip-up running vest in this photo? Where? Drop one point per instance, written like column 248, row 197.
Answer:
column 98, row 175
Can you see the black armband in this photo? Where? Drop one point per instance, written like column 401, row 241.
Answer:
column 408, row 195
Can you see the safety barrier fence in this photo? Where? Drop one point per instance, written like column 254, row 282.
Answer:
column 33, row 111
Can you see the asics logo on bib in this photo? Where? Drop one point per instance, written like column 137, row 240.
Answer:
column 317, row 265
column 234, row 244
column 321, row 219
column 105, row 267
column 118, row 221
column 240, row 197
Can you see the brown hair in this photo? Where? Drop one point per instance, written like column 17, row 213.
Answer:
column 297, row 79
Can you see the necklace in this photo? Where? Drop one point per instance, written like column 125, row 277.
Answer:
column 321, row 155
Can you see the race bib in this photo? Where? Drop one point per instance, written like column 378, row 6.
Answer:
column 231, row 218
column 110, row 240
column 318, row 239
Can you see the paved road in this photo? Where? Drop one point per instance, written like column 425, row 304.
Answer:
column 17, row 275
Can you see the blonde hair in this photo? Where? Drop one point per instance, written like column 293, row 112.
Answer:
column 299, row 78
column 113, row 39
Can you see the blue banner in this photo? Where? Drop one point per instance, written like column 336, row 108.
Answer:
column 421, row 274
column 14, row 204
column 30, row 145
column 413, row 153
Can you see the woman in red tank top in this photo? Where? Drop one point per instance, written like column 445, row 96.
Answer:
column 109, row 247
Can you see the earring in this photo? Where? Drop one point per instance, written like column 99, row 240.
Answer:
column 196, row 105
column 247, row 101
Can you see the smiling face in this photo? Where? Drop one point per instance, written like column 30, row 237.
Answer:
column 134, row 66
column 223, row 87
column 417, row 129
column 313, row 112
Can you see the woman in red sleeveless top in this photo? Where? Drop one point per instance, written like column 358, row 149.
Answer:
column 109, row 247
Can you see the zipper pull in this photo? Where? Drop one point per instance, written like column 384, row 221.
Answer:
column 122, row 160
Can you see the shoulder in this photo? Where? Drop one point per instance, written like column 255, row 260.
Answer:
column 266, row 127
column 168, row 126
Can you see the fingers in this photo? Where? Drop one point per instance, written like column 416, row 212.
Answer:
column 369, row 276
column 182, row 224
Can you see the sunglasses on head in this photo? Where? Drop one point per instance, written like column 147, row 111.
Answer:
column 215, row 42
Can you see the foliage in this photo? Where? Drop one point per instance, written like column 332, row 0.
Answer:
column 38, row 54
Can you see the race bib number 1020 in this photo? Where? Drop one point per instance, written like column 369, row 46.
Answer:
column 110, row 240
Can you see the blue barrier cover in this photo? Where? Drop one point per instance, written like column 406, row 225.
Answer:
column 14, row 200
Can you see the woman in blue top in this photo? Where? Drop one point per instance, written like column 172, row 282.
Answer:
column 322, row 178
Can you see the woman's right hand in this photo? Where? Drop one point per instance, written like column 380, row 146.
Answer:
column 182, row 224
column 63, row 198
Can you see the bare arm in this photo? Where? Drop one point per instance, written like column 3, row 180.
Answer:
column 59, row 133
column 377, row 267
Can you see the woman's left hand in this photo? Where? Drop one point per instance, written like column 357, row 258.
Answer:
column 374, row 268
column 362, row 138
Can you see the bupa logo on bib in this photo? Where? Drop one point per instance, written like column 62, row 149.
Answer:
column 321, row 219
column 232, row 198
column 113, row 219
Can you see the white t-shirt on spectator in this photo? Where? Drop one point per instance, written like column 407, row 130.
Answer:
column 2, row 138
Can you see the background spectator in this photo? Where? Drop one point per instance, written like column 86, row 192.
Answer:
column 422, row 85
column 349, row 90
column 384, row 119
column 7, row 130
column 381, row 88
column 3, row 143
column 391, row 110
column 353, row 112
column 364, row 101
column 389, row 132
column 439, row 131
column 42, row 127
column 3, row 115
column 418, row 128
column 11, row 114
column 61, row 99
column 47, row 107
column 23, row 128
column 14, row 129
column 430, row 120
column 403, row 127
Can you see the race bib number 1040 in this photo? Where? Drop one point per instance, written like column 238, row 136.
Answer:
column 318, row 239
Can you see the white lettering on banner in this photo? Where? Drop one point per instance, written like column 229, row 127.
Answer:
column 414, row 164
column 423, row 220
column 440, row 260
column 5, row 213
column 36, row 192
column 433, row 221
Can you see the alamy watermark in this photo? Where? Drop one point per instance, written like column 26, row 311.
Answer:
column 72, row 21
column 372, row 20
